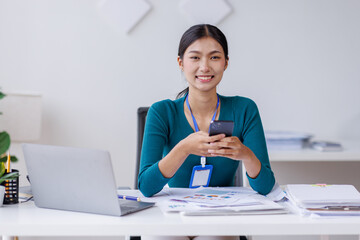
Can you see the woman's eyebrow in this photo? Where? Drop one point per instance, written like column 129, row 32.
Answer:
column 198, row 52
column 215, row 51
column 194, row 51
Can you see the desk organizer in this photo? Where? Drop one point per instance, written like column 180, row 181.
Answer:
column 11, row 190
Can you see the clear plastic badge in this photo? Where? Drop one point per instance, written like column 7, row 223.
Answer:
column 200, row 176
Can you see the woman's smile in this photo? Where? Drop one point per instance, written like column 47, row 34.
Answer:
column 204, row 78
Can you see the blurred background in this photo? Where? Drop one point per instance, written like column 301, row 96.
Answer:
column 298, row 60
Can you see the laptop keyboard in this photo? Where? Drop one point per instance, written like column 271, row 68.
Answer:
column 127, row 206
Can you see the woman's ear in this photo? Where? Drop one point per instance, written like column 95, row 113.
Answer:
column 226, row 63
column 180, row 62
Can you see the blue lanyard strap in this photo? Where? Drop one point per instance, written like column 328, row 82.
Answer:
column 194, row 120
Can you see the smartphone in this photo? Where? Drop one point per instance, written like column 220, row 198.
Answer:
column 218, row 127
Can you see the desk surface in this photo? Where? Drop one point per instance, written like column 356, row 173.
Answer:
column 27, row 220
column 350, row 153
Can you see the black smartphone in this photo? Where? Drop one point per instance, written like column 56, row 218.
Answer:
column 218, row 127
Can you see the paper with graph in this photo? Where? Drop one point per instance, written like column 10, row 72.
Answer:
column 216, row 201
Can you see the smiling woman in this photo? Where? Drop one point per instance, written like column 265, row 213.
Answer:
column 203, row 64
column 199, row 32
column 176, row 137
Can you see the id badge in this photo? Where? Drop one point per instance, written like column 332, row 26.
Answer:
column 200, row 176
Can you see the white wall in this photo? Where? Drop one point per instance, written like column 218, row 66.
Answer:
column 299, row 60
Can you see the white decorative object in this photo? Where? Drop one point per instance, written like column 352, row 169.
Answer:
column 2, row 194
column 123, row 14
column 205, row 11
column 21, row 116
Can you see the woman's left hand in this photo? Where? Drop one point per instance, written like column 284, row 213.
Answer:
column 231, row 147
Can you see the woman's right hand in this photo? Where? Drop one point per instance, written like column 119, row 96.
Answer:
column 198, row 143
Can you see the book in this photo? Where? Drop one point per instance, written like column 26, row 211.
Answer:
column 326, row 146
column 285, row 140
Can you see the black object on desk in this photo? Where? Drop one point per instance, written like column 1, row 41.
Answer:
column 11, row 189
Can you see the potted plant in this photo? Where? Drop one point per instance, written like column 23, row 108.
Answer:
column 4, row 146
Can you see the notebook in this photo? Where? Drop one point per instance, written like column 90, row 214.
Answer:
column 322, row 200
column 312, row 195
column 75, row 179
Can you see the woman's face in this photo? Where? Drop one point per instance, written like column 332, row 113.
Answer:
column 203, row 64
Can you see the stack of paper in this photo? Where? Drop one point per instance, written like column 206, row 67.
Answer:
column 217, row 201
column 326, row 146
column 325, row 200
column 282, row 140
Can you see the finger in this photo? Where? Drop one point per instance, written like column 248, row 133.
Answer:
column 205, row 154
column 230, row 139
column 218, row 145
column 222, row 155
column 234, row 142
column 204, row 151
column 216, row 138
column 202, row 133
column 213, row 146
column 222, row 151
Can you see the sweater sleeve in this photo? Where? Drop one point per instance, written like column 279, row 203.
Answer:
column 151, row 180
column 254, row 138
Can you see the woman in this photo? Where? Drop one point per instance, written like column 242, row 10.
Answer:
column 176, row 133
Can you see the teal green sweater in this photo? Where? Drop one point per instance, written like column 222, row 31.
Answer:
column 166, row 125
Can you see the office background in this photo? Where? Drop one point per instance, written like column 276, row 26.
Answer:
column 299, row 61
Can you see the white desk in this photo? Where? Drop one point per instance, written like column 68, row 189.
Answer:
column 311, row 166
column 351, row 153
column 27, row 220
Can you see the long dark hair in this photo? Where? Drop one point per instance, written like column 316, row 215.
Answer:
column 196, row 32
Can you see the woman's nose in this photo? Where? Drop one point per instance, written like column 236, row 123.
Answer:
column 204, row 67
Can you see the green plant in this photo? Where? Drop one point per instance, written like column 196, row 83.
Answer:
column 4, row 146
column 9, row 176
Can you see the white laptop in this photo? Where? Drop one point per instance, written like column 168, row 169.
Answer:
column 75, row 179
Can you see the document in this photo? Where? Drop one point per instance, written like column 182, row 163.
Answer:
column 217, row 201
column 325, row 146
column 313, row 195
column 214, row 201
column 284, row 140
column 324, row 200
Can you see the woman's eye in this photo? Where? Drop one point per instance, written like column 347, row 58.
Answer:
column 194, row 57
column 215, row 57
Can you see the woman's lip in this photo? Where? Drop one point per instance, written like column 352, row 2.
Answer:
column 203, row 78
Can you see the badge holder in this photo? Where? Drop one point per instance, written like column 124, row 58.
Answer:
column 201, row 175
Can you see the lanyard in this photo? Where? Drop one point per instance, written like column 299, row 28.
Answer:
column 203, row 159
